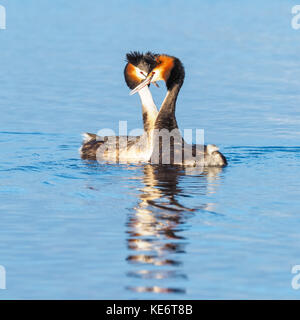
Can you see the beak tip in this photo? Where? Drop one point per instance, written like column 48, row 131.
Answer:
column 146, row 82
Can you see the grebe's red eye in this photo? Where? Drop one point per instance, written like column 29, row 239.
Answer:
column 141, row 72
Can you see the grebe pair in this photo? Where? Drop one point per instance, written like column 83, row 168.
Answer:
column 142, row 70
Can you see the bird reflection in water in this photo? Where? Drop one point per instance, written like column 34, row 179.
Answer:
column 155, row 228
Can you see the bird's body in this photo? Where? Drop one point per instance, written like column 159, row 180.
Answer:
column 140, row 72
column 127, row 148
column 170, row 70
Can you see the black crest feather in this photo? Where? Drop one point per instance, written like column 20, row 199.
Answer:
column 134, row 57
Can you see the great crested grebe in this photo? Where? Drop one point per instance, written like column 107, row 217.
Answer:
column 138, row 148
column 170, row 70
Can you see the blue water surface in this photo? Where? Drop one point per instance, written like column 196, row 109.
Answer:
column 72, row 229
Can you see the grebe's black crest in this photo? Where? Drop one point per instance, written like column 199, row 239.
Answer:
column 137, row 58
column 134, row 57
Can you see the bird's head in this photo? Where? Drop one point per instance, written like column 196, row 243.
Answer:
column 138, row 67
column 168, row 69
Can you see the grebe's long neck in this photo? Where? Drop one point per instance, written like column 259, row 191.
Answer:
column 166, row 117
column 149, row 109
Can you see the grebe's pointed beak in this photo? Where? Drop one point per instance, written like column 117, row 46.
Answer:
column 142, row 85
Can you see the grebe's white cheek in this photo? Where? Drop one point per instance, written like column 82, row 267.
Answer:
column 157, row 76
column 140, row 73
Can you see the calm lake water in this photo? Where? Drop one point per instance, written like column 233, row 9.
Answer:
column 74, row 229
